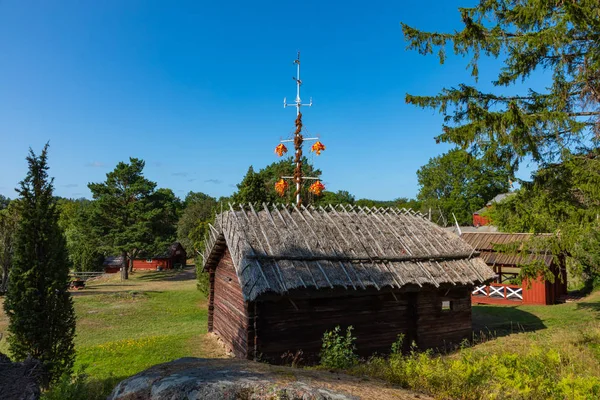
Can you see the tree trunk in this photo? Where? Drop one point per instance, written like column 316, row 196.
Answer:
column 124, row 266
column 131, row 265
column 4, row 280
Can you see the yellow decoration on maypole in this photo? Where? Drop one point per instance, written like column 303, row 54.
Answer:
column 317, row 188
column 281, row 186
column 318, row 147
column 280, row 149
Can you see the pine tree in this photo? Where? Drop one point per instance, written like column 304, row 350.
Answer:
column 38, row 304
column 134, row 218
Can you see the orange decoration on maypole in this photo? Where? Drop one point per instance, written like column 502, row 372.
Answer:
column 317, row 188
column 280, row 149
column 318, row 147
column 281, row 186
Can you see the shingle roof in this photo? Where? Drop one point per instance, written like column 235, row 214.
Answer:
column 487, row 244
column 280, row 248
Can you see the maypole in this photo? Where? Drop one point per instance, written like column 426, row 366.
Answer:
column 298, row 140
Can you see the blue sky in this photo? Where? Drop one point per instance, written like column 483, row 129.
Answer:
column 196, row 88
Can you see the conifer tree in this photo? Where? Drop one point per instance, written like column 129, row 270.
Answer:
column 38, row 304
column 133, row 217
column 529, row 36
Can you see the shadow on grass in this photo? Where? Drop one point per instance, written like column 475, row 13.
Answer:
column 497, row 321
column 114, row 293
column 186, row 274
column 595, row 307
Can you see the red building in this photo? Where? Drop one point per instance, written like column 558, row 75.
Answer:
column 112, row 264
column 505, row 289
column 173, row 257
column 479, row 219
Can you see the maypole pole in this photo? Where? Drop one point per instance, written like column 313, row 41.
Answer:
column 298, row 142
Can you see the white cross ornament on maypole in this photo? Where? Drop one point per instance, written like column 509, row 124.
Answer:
column 298, row 140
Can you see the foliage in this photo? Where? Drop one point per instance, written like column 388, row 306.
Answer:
column 199, row 209
column 133, row 217
column 252, row 189
column 530, row 36
column 4, row 202
column 38, row 304
column 401, row 202
column 79, row 387
column 9, row 218
column 335, row 198
column 83, row 239
column 259, row 187
column 563, row 198
column 460, row 184
column 338, row 350
column 540, row 373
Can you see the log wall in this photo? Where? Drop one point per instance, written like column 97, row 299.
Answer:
column 228, row 312
column 289, row 324
column 441, row 328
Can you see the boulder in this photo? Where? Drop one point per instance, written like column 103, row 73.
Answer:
column 217, row 379
column 20, row 380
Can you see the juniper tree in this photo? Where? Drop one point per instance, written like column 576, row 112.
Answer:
column 38, row 304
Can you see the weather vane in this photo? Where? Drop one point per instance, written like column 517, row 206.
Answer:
column 281, row 186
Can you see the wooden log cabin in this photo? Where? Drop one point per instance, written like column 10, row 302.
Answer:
column 282, row 276
column 505, row 288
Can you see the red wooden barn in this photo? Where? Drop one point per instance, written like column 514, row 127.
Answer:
column 506, row 265
column 174, row 256
column 280, row 277
column 112, row 264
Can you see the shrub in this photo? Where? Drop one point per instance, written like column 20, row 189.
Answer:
column 538, row 373
column 338, row 351
column 203, row 280
column 79, row 387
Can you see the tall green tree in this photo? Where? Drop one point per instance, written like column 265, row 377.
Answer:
column 128, row 211
column 259, row 187
column 198, row 212
column 84, row 241
column 252, row 189
column 38, row 303
column 528, row 36
column 9, row 218
column 456, row 183
column 514, row 121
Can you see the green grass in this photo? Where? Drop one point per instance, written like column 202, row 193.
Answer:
column 126, row 327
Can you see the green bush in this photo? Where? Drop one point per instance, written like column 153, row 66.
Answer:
column 539, row 373
column 338, row 351
column 79, row 387
column 203, row 280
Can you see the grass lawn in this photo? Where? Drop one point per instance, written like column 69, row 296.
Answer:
column 126, row 327
column 155, row 317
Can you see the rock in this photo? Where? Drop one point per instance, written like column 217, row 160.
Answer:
column 20, row 380
column 216, row 379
